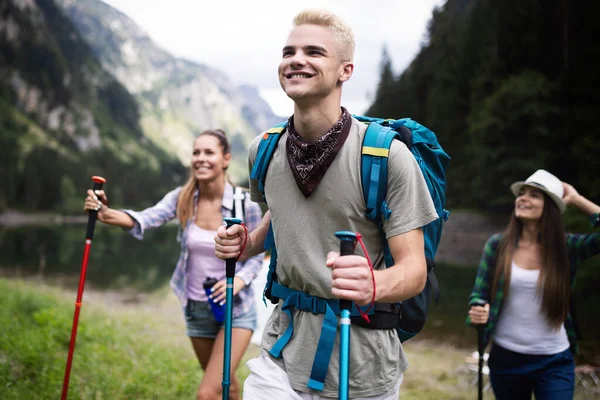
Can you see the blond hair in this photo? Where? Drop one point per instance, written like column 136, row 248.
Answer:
column 340, row 30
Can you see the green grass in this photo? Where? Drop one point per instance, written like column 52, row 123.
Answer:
column 118, row 354
column 139, row 351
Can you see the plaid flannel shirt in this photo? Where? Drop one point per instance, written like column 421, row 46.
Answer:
column 579, row 246
column 165, row 211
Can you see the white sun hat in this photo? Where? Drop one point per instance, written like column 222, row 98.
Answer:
column 547, row 183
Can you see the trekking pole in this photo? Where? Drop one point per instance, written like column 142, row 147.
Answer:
column 92, row 216
column 229, row 274
column 347, row 241
column 480, row 349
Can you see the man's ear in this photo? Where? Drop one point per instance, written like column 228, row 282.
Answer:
column 346, row 72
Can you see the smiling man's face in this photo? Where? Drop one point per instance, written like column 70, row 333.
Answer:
column 311, row 66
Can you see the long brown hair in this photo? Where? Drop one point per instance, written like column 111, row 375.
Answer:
column 185, row 202
column 553, row 283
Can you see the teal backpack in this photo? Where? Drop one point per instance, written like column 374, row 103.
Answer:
column 409, row 316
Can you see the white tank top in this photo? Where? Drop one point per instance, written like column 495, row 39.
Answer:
column 522, row 327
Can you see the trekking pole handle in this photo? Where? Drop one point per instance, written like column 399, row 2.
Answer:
column 93, row 214
column 347, row 242
column 480, row 328
column 479, row 303
column 230, row 262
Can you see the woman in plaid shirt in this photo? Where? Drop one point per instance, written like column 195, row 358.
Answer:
column 200, row 206
column 524, row 276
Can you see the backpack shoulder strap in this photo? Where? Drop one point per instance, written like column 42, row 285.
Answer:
column 266, row 148
column 374, row 169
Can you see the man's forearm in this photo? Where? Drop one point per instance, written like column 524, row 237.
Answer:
column 400, row 282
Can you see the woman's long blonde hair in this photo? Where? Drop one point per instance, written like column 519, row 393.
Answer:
column 554, row 282
column 185, row 202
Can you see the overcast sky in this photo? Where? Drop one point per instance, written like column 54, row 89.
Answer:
column 244, row 38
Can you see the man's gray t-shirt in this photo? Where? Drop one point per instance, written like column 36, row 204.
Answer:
column 304, row 231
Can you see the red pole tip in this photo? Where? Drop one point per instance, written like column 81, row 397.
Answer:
column 98, row 179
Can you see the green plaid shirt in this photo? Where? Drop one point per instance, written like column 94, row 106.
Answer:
column 580, row 247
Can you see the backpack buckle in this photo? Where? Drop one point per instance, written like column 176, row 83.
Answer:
column 445, row 215
column 385, row 211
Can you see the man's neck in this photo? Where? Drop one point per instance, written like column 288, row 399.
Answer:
column 312, row 122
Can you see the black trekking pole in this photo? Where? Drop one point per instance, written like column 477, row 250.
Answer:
column 347, row 241
column 92, row 216
column 229, row 274
column 480, row 349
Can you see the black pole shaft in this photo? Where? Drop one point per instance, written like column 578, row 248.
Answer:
column 480, row 349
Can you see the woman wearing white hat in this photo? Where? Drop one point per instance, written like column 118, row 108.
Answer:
column 524, row 277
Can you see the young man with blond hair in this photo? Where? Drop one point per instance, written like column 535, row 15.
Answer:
column 313, row 187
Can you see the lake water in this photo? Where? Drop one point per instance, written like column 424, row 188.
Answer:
column 117, row 261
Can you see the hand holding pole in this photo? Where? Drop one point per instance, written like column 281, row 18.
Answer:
column 92, row 217
column 229, row 274
column 347, row 243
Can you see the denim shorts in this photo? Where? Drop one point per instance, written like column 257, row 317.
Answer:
column 200, row 321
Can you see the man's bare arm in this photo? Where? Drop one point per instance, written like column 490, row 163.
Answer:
column 407, row 277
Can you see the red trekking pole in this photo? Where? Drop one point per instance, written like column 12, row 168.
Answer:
column 93, row 215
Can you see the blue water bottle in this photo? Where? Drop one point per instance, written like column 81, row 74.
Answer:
column 217, row 309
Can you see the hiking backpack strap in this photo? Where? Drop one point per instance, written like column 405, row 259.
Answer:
column 374, row 171
column 316, row 305
column 374, row 161
column 266, row 148
column 264, row 153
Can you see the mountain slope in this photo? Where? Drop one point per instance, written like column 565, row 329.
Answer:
column 64, row 118
column 178, row 98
